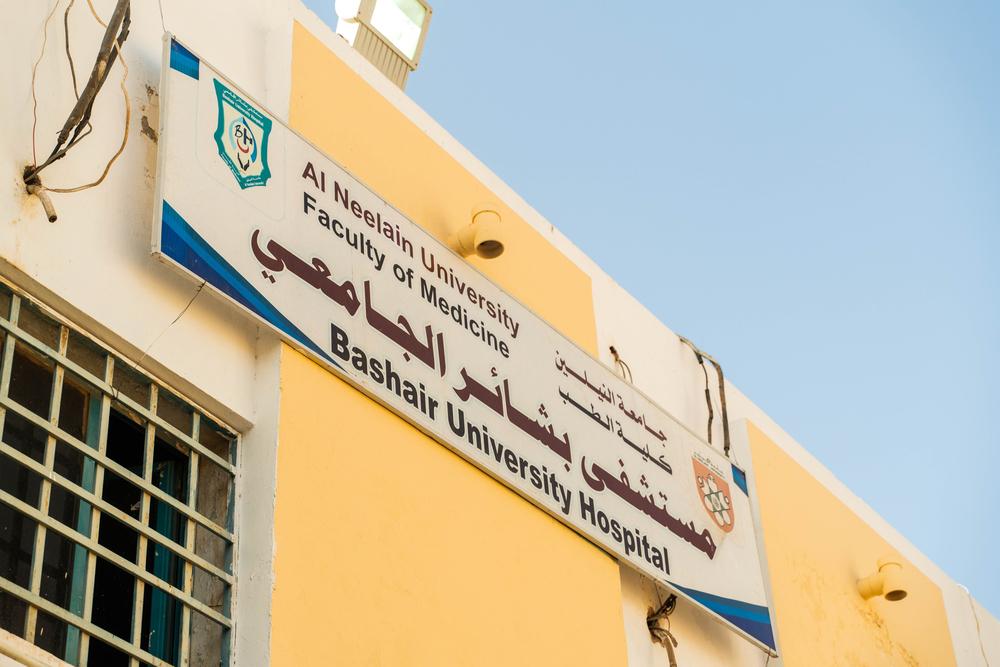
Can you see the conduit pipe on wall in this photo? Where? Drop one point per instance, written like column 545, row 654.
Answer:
column 43, row 196
column 701, row 356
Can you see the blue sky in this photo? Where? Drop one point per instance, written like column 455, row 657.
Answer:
column 810, row 191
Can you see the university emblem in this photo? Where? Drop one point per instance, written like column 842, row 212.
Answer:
column 241, row 137
column 715, row 496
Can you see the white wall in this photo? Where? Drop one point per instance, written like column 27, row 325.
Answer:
column 95, row 260
column 94, row 263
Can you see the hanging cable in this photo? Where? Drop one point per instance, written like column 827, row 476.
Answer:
column 78, row 122
column 708, row 394
column 90, row 3
column 69, row 54
column 662, row 634
column 626, row 371
column 163, row 23
column 701, row 356
column 72, row 65
column 34, row 74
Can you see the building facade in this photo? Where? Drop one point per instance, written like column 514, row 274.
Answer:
column 180, row 484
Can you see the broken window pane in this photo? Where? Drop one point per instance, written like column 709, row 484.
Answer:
column 50, row 634
column 162, row 469
column 31, row 380
column 12, row 611
column 20, row 482
column 57, row 569
column 126, row 442
column 74, row 406
column 106, row 656
column 66, row 508
column 24, row 436
column 161, row 625
column 17, row 539
column 113, row 599
column 71, row 464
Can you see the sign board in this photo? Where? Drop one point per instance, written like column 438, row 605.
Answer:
column 250, row 208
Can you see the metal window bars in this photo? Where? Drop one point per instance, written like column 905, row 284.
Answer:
column 181, row 567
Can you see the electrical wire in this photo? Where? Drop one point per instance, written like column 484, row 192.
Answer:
column 114, row 36
column 128, row 110
column 701, row 356
column 163, row 24
column 121, row 148
column 78, row 125
column 72, row 68
column 90, row 3
column 979, row 629
column 626, row 371
column 708, row 395
column 69, row 55
column 663, row 634
column 34, row 74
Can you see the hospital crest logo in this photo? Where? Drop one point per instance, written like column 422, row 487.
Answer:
column 241, row 136
column 714, row 493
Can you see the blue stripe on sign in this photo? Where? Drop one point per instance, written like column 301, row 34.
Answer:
column 753, row 619
column 183, row 60
column 186, row 247
column 740, row 478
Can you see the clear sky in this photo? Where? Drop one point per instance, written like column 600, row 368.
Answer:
column 809, row 191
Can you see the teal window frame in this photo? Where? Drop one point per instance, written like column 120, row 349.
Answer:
column 182, row 571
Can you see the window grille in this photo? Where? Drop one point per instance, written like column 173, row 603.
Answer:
column 116, row 504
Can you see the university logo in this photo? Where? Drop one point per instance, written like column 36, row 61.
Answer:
column 715, row 496
column 241, row 136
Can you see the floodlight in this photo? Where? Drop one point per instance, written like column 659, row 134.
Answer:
column 389, row 33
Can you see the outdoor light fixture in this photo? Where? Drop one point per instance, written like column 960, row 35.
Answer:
column 483, row 236
column 389, row 33
column 886, row 582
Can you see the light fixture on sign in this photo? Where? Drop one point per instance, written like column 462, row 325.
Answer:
column 389, row 33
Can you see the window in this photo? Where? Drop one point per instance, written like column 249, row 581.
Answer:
column 116, row 504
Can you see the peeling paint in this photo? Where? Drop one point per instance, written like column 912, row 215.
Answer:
column 148, row 130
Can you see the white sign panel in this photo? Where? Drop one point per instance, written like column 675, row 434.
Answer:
column 256, row 212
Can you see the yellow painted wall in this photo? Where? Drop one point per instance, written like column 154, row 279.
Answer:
column 391, row 550
column 352, row 123
column 817, row 548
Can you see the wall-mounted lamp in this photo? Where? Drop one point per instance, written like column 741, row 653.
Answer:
column 484, row 236
column 389, row 33
column 886, row 582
